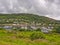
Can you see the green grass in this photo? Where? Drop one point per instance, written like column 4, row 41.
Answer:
column 23, row 38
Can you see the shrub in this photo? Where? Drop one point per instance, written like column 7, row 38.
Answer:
column 22, row 30
column 2, row 29
column 57, row 29
column 38, row 29
column 37, row 35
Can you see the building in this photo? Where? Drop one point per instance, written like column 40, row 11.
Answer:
column 8, row 27
column 46, row 29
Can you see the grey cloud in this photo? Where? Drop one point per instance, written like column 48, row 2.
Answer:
column 41, row 7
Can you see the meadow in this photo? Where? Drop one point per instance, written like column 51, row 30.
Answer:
column 28, row 38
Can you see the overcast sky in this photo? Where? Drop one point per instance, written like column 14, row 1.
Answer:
column 49, row 8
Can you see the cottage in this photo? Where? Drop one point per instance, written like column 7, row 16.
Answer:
column 7, row 27
column 34, row 27
column 45, row 29
column 23, row 26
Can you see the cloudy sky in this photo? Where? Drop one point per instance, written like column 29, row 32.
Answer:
column 49, row 8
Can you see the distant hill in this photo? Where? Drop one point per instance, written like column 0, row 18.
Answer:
column 29, row 18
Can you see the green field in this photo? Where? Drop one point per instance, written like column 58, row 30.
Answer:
column 25, row 38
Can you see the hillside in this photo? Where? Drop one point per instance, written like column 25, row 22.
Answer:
column 11, row 32
column 27, row 21
column 25, row 18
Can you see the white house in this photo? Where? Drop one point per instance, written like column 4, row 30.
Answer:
column 8, row 27
column 45, row 29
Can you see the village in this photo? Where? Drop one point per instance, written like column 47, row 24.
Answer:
column 26, row 22
column 27, row 26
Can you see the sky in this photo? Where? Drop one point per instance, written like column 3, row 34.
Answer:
column 48, row 8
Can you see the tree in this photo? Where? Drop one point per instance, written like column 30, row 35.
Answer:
column 57, row 29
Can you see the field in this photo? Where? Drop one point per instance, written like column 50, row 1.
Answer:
column 26, row 38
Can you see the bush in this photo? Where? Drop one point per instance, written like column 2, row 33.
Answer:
column 37, row 35
column 57, row 29
column 38, row 29
column 2, row 29
column 22, row 29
